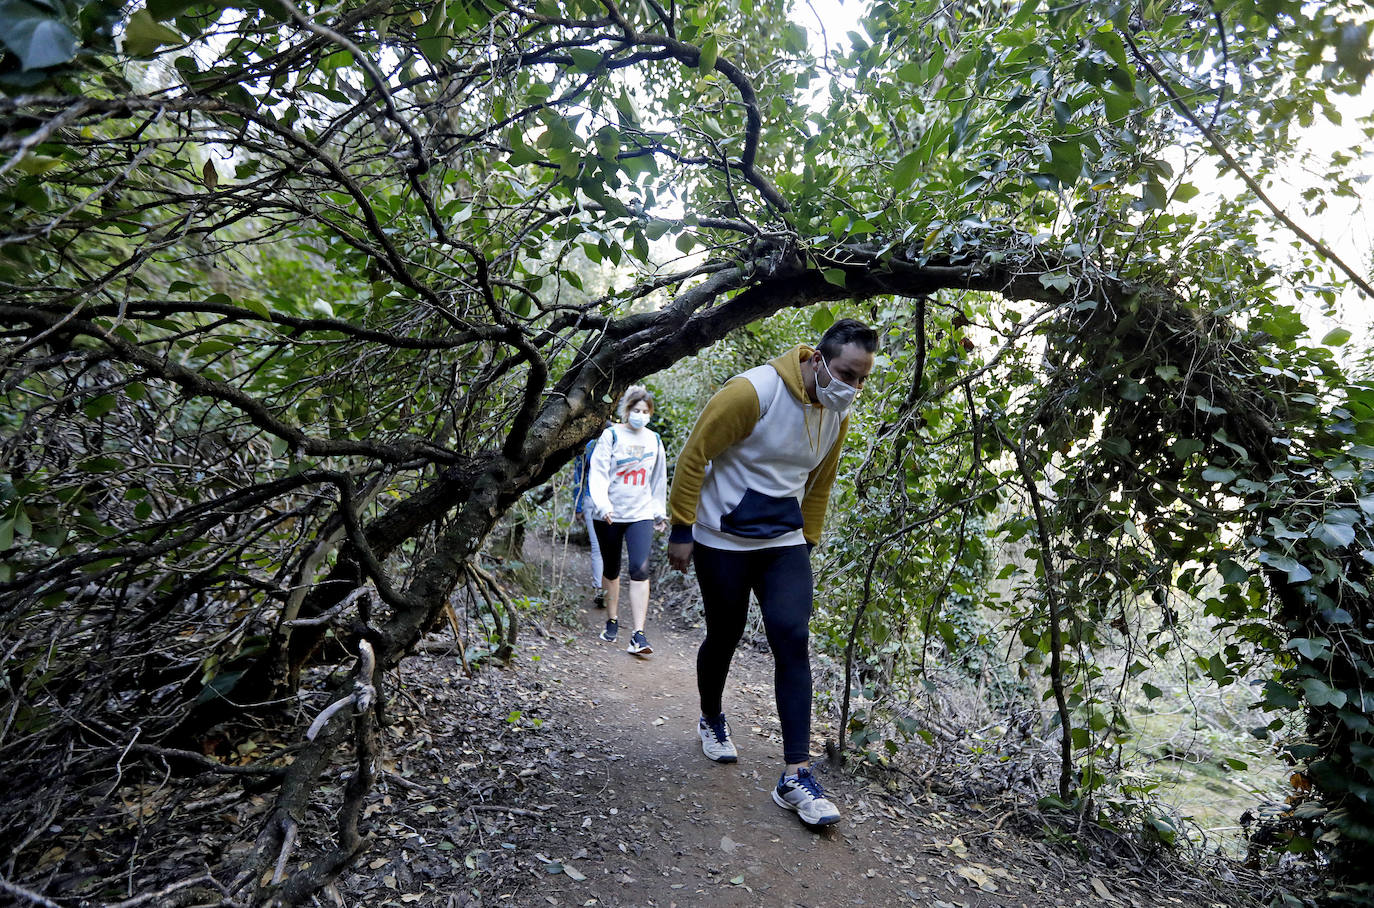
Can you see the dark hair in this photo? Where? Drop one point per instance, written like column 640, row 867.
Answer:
column 847, row 331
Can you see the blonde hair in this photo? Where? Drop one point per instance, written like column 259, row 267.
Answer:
column 633, row 395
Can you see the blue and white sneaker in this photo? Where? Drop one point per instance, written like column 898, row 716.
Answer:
column 803, row 794
column 639, row 644
column 715, row 740
column 612, row 630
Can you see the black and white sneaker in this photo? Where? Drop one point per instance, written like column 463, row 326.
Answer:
column 599, row 600
column 803, row 794
column 715, row 740
column 612, row 630
column 639, row 644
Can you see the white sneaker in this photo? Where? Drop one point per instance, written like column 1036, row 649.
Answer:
column 803, row 794
column 715, row 740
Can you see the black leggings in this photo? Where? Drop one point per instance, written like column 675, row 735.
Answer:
column 638, row 537
column 781, row 578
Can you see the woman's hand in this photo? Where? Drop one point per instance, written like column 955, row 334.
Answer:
column 660, row 524
column 610, row 518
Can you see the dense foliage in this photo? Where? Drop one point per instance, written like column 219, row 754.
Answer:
column 298, row 300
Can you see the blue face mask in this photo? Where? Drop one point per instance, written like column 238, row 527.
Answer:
column 638, row 420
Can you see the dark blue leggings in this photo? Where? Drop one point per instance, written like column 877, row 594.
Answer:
column 637, row 536
column 781, row 578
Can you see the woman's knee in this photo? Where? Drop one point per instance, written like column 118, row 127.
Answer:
column 722, row 640
column 640, row 570
column 789, row 639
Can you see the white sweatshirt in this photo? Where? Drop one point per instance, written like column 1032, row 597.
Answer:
column 628, row 477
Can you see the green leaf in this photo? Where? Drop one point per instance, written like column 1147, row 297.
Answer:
column 1334, row 535
column 1336, row 337
column 1319, row 693
column 1206, row 406
column 1162, row 828
column 584, row 60
column 1297, row 573
column 1277, row 696
column 1216, row 667
column 1132, row 391
column 1184, row 448
column 1281, row 323
column 1118, row 445
column 1218, row 474
column 219, row 686
column 904, row 172
column 821, row 319
column 1313, row 648
column 35, row 35
column 834, row 276
column 144, row 35
column 162, row 10
column 1232, row 571
column 100, row 406
column 1167, row 372
column 1151, row 692
column 709, row 52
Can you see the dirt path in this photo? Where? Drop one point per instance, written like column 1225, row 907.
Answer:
column 706, row 832
column 575, row 777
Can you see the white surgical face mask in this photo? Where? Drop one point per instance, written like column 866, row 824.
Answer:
column 837, row 395
column 638, row 420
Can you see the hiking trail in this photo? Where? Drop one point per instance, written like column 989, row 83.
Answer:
column 575, row 777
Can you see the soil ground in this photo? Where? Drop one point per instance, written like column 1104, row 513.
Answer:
column 574, row 776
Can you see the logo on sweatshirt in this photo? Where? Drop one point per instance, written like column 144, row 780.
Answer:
column 637, row 477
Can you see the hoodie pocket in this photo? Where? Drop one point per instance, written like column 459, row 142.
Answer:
column 759, row 516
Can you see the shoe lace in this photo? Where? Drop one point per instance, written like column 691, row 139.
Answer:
column 718, row 728
column 808, row 781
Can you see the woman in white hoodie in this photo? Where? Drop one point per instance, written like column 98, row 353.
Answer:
column 628, row 485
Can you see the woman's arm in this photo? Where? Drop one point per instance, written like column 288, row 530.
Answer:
column 599, row 474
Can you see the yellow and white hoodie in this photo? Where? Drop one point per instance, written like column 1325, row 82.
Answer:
column 757, row 470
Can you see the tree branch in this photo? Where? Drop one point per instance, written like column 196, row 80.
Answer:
column 1321, row 248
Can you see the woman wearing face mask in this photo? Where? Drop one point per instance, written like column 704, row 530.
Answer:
column 628, row 484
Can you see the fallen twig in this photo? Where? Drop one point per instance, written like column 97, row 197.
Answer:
column 34, row 897
column 145, row 898
column 498, row 808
